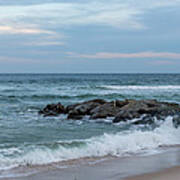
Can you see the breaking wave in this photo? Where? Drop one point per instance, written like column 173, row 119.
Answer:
column 135, row 87
column 118, row 144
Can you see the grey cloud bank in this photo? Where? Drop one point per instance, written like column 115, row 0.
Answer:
column 41, row 33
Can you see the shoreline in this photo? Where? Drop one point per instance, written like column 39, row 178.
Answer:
column 128, row 168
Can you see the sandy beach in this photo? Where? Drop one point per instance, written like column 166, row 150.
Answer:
column 162, row 166
column 167, row 174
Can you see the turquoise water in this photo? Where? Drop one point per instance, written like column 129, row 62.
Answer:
column 26, row 137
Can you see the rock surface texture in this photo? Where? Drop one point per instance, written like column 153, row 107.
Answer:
column 140, row 111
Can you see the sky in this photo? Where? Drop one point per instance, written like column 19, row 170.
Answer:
column 89, row 36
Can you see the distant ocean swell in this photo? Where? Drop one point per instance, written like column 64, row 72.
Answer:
column 87, row 92
column 113, row 144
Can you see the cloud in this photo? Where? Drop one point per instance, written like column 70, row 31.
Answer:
column 22, row 30
column 115, row 13
column 97, row 13
column 35, row 36
column 44, row 43
column 108, row 55
column 118, row 13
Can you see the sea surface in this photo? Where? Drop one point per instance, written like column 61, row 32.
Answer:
column 29, row 139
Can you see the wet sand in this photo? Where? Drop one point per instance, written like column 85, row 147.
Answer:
column 167, row 174
column 115, row 169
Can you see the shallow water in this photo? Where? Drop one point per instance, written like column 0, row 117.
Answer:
column 28, row 138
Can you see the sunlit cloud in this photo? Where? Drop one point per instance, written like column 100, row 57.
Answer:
column 22, row 30
column 108, row 55
column 35, row 36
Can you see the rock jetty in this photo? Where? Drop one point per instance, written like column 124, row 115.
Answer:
column 143, row 110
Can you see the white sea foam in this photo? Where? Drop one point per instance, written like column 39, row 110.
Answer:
column 136, row 87
column 118, row 144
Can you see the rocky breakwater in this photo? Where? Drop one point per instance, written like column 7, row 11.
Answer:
column 137, row 111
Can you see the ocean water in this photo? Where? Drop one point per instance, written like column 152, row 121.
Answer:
column 27, row 138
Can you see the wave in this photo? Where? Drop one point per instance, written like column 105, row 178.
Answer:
column 45, row 97
column 117, row 87
column 118, row 144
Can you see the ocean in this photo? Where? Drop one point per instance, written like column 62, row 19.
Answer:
column 29, row 139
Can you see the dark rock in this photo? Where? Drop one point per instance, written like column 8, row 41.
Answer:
column 108, row 109
column 135, row 108
column 71, row 107
column 94, row 101
column 75, row 116
column 139, row 111
column 53, row 110
column 147, row 119
column 78, row 110
column 125, row 115
column 118, row 103
column 176, row 120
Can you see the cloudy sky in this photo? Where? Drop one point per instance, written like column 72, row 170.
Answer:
column 94, row 36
